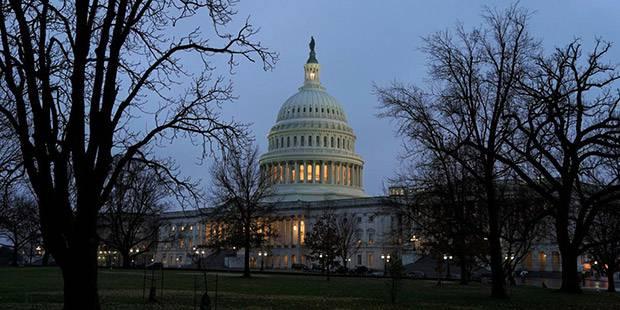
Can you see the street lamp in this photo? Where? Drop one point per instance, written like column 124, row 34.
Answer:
column 386, row 260
column 262, row 263
column 447, row 259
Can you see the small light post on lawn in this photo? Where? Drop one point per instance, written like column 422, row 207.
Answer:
column 447, row 259
column 386, row 260
column 262, row 254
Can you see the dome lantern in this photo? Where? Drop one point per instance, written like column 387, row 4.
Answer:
column 312, row 68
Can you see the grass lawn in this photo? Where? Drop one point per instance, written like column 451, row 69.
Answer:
column 41, row 288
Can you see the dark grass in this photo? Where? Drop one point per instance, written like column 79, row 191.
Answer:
column 41, row 288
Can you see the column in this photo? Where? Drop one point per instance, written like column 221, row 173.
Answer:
column 332, row 169
column 287, row 173
column 361, row 176
column 299, row 260
column 291, row 231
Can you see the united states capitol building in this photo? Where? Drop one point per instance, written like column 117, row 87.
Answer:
column 312, row 161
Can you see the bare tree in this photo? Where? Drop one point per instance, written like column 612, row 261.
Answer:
column 76, row 75
column 462, row 114
column 567, row 129
column 322, row 241
column 440, row 200
column 19, row 224
column 240, row 191
column 131, row 220
column 604, row 242
column 347, row 241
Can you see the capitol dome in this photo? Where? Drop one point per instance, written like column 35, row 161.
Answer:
column 311, row 154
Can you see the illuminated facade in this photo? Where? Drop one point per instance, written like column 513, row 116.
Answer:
column 311, row 150
column 311, row 160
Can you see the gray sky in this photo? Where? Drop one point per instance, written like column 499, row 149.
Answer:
column 361, row 42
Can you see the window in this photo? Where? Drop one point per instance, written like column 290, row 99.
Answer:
column 288, row 141
column 371, row 219
column 302, row 140
column 322, row 110
column 317, row 172
column 325, row 175
column 309, row 140
column 359, row 259
column 324, row 141
column 359, row 220
column 370, row 260
column 318, row 141
column 301, row 173
column 338, row 142
column 281, row 141
column 309, row 169
column 371, row 236
column 293, row 175
column 332, row 141
column 295, row 141
column 358, row 234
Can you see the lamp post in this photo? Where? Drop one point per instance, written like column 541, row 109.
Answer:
column 386, row 260
column 261, row 255
column 447, row 259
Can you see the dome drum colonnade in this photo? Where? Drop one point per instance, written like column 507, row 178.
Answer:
column 311, row 147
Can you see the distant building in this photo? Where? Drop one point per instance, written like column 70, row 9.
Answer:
column 312, row 161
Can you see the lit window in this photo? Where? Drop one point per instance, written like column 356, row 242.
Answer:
column 325, row 173
column 317, row 173
column 301, row 173
column 309, row 169
column 371, row 236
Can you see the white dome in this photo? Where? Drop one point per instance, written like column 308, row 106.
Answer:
column 311, row 102
column 311, row 153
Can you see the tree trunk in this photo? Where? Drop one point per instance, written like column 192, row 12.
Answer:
column 570, row 278
column 126, row 259
column 464, row 270
column 498, row 289
column 246, row 258
column 611, row 284
column 80, row 278
column 45, row 259
column 14, row 256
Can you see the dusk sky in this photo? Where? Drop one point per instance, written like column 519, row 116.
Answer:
column 359, row 43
